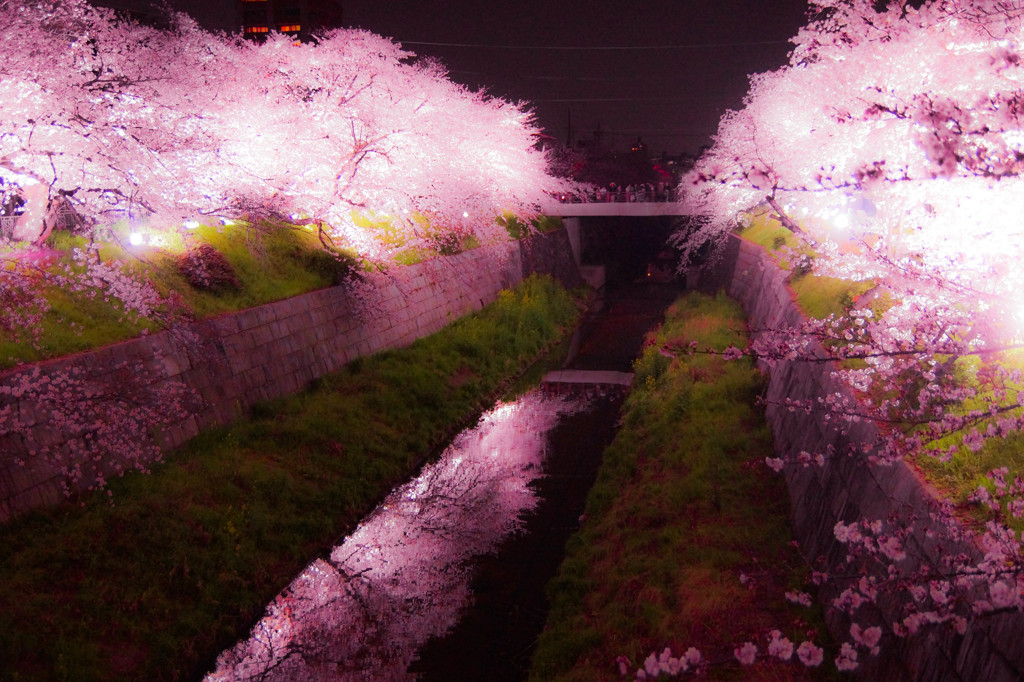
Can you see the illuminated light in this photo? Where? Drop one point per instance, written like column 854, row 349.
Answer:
column 191, row 224
column 136, row 239
column 842, row 221
column 1018, row 318
column 291, row 28
column 257, row 29
column 465, row 214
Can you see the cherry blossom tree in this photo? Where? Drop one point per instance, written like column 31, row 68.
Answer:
column 113, row 122
column 130, row 122
column 891, row 146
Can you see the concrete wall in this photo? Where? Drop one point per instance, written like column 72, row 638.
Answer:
column 848, row 489
column 225, row 365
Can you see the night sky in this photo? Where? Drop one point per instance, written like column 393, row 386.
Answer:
column 684, row 62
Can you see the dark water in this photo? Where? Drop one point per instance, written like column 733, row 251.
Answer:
column 495, row 638
column 431, row 559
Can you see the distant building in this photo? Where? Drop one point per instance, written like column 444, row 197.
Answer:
column 259, row 17
column 253, row 18
column 639, row 148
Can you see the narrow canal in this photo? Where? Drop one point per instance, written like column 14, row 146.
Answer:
column 445, row 580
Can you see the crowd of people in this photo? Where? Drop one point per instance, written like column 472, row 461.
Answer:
column 644, row 191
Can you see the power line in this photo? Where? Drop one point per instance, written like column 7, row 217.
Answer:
column 690, row 98
column 618, row 48
column 646, row 132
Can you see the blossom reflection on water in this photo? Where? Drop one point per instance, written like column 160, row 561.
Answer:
column 403, row 575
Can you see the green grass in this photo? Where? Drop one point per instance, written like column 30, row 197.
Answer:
column 818, row 296
column 966, row 471
column 271, row 262
column 683, row 505
column 183, row 562
column 516, row 228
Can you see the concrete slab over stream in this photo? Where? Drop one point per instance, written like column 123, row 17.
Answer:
column 587, row 381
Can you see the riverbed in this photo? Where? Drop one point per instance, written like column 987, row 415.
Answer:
column 445, row 579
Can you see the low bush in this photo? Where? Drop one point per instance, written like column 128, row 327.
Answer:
column 206, row 268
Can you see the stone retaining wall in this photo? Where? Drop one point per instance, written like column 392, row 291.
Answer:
column 217, row 369
column 847, row 489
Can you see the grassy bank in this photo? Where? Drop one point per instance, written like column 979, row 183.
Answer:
column 686, row 538
column 260, row 264
column 960, row 476
column 155, row 585
column 250, row 265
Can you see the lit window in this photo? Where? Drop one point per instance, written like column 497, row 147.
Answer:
column 257, row 29
column 291, row 28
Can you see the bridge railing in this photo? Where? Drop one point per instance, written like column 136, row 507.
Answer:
column 617, row 197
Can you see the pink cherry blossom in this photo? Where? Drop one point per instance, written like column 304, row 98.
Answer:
column 779, row 646
column 746, row 653
column 847, row 658
column 810, row 654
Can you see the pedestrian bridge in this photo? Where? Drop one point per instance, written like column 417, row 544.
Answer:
column 566, row 209
column 588, row 382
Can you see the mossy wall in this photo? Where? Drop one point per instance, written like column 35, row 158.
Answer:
column 847, row 488
column 227, row 364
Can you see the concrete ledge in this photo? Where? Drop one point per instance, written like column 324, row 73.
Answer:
column 580, row 376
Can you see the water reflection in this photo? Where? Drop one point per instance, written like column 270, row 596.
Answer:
column 403, row 576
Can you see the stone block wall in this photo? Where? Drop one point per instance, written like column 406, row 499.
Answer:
column 848, row 489
column 217, row 369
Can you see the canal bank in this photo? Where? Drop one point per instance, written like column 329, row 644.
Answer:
column 685, row 549
column 158, row 583
column 361, row 612
column 496, row 636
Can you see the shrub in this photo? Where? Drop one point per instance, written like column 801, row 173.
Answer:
column 206, row 268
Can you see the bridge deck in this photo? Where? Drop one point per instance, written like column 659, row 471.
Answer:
column 580, row 376
column 612, row 208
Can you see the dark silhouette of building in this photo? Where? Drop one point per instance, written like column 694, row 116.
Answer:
column 252, row 18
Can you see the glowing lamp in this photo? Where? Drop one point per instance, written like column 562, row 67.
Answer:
column 136, row 239
column 465, row 214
